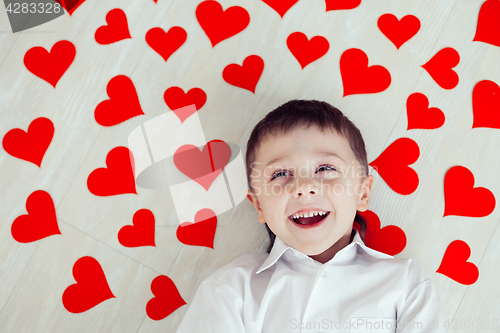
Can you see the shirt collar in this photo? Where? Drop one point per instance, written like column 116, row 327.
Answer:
column 280, row 247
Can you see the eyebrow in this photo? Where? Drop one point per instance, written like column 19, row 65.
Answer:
column 321, row 153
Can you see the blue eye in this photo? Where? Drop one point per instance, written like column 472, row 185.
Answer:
column 275, row 175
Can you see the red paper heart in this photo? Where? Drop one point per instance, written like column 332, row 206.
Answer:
column 341, row 4
column 420, row 115
column 488, row 24
column 486, row 104
column 115, row 30
column 123, row 102
column 117, row 178
column 461, row 198
column 398, row 31
column 203, row 167
column 219, row 24
column 175, row 98
column 304, row 50
column 142, row 233
column 245, row 76
column 70, row 5
column 50, row 66
column 200, row 233
column 440, row 67
column 392, row 165
column 358, row 78
column 167, row 298
column 91, row 288
column 390, row 239
column 40, row 222
column 280, row 6
column 455, row 266
column 165, row 44
column 31, row 145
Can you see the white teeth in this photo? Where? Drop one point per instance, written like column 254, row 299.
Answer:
column 311, row 214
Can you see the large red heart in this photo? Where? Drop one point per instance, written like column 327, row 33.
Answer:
column 390, row 239
column 398, row 31
column 50, row 66
column 167, row 298
column 455, row 266
column 117, row 178
column 219, row 24
column 304, row 50
column 175, row 98
column 280, row 6
column 90, row 289
column 141, row 233
column 40, row 222
column 420, row 115
column 488, row 24
column 245, row 76
column 461, row 198
column 341, row 4
column 70, row 5
column 440, row 68
column 203, row 167
column 123, row 102
column 31, row 145
column 200, row 233
column 358, row 78
column 115, row 30
column 392, row 165
column 165, row 44
column 486, row 104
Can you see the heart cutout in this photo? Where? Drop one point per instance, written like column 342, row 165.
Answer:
column 455, row 266
column 390, row 239
column 167, row 298
column 488, row 24
column 175, row 98
column 280, row 6
column 420, row 116
column 165, row 44
column 200, row 233
column 141, row 233
column 486, row 104
column 398, row 31
column 440, row 68
column 245, row 76
column 304, row 50
column 115, row 30
column 341, row 4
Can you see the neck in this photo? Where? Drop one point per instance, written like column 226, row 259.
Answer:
column 332, row 250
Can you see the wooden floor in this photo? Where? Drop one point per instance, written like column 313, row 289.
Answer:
column 34, row 275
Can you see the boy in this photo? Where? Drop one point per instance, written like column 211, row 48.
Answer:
column 308, row 177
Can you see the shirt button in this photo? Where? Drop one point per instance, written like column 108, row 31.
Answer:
column 323, row 275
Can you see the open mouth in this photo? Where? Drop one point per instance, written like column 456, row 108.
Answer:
column 309, row 220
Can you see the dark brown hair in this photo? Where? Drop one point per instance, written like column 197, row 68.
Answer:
column 296, row 113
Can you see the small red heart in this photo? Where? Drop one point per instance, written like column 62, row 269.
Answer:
column 280, row 6
column 341, row 4
column 167, row 298
column 390, row 239
column 123, row 102
column 40, row 222
column 115, row 30
column 50, row 66
column 486, row 104
column 245, row 76
column 203, row 167
column 455, row 266
column 392, row 165
column 358, row 78
column 488, row 24
column 200, row 233
column 165, row 44
column 141, row 233
column 175, row 98
column 398, row 31
column 304, row 50
column 461, row 198
column 91, row 288
column 420, row 115
column 117, row 178
column 440, row 67
column 219, row 24
column 31, row 145
column 70, row 5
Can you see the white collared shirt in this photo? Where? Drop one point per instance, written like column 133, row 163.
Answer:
column 287, row 291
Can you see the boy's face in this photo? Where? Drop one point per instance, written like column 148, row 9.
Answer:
column 309, row 177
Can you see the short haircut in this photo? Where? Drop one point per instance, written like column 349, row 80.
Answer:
column 294, row 114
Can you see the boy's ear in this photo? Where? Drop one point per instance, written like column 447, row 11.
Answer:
column 365, row 197
column 253, row 199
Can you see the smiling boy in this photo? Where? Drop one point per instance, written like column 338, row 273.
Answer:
column 307, row 172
